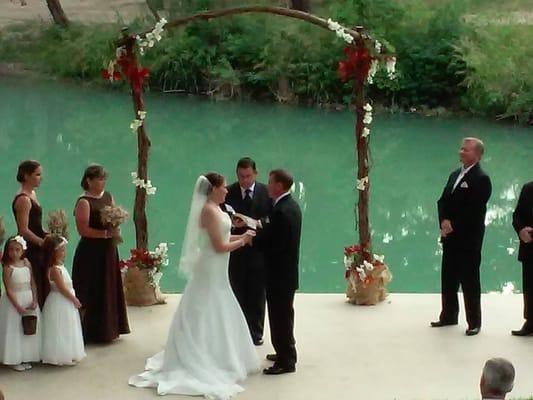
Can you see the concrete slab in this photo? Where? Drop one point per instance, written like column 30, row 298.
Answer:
column 346, row 352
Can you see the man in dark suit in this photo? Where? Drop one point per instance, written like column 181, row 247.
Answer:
column 247, row 265
column 281, row 241
column 462, row 208
column 523, row 225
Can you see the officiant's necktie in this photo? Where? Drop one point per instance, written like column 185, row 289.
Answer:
column 247, row 200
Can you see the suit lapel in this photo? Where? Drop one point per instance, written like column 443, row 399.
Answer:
column 471, row 172
column 452, row 180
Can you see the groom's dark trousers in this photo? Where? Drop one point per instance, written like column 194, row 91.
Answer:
column 465, row 206
column 281, row 243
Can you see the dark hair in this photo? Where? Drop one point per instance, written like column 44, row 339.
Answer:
column 215, row 179
column 27, row 167
column 282, row 176
column 50, row 245
column 246, row 162
column 5, row 257
column 91, row 172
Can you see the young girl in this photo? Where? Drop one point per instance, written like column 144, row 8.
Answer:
column 62, row 335
column 16, row 349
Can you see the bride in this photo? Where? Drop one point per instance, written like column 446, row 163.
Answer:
column 209, row 348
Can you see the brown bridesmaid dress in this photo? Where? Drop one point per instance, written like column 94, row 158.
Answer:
column 34, row 252
column 98, row 283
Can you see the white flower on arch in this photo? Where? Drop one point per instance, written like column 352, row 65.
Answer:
column 141, row 183
column 362, row 183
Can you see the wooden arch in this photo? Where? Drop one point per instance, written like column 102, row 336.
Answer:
column 361, row 40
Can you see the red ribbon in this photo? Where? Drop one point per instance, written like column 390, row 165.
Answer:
column 134, row 74
column 356, row 65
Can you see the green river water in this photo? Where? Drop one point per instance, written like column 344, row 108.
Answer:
column 66, row 127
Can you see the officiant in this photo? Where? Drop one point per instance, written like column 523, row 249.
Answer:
column 246, row 265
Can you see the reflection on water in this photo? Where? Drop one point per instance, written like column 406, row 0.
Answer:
column 68, row 127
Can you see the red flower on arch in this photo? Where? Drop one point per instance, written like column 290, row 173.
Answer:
column 356, row 65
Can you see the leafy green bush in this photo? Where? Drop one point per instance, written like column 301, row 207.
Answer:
column 499, row 71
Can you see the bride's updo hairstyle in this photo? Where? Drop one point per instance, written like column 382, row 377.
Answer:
column 214, row 179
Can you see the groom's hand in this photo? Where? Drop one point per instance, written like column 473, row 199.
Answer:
column 248, row 236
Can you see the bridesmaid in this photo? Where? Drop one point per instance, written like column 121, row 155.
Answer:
column 28, row 216
column 95, row 272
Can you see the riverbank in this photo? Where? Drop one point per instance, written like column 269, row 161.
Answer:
column 443, row 52
column 87, row 11
column 346, row 352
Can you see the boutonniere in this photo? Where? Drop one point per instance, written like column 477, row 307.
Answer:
column 464, row 185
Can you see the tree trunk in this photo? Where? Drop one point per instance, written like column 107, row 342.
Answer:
column 143, row 145
column 59, row 16
column 301, row 5
column 362, row 166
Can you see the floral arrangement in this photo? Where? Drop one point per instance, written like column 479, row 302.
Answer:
column 362, row 61
column 151, row 37
column 58, row 223
column 125, row 66
column 113, row 217
column 153, row 261
column 367, row 276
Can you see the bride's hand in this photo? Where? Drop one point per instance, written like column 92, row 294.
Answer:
column 248, row 237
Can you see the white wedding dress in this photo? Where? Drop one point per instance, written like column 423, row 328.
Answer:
column 209, row 348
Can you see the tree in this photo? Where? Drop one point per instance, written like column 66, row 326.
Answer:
column 58, row 15
column 301, row 5
column 153, row 9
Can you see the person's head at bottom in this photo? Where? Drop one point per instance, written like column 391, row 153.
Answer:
column 497, row 378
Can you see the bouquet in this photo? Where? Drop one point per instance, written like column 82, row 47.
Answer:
column 153, row 261
column 58, row 223
column 367, row 276
column 112, row 217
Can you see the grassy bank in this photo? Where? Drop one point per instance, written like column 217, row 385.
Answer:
column 450, row 55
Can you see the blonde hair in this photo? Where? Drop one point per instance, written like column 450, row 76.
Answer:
column 479, row 146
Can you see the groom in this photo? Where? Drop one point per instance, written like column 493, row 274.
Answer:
column 280, row 240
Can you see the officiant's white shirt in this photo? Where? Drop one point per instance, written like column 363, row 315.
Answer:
column 463, row 172
column 243, row 191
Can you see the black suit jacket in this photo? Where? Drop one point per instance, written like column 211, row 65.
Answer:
column 465, row 207
column 261, row 202
column 522, row 217
column 281, row 244
column 248, row 256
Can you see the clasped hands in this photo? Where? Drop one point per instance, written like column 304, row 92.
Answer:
column 248, row 236
column 525, row 234
column 445, row 227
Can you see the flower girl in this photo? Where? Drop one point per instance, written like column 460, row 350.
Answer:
column 62, row 335
column 18, row 349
